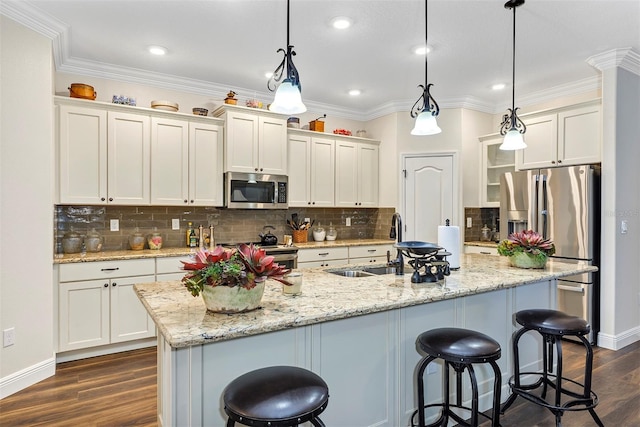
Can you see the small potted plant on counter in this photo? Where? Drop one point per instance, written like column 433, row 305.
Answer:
column 527, row 249
column 231, row 280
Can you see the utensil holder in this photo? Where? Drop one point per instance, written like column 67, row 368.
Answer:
column 300, row 236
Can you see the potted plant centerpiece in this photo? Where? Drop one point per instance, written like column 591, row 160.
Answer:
column 527, row 249
column 231, row 280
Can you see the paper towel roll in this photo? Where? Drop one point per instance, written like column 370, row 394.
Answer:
column 449, row 239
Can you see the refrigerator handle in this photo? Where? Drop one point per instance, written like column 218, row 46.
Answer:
column 533, row 204
column 545, row 210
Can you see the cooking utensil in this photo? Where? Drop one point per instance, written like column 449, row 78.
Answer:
column 268, row 239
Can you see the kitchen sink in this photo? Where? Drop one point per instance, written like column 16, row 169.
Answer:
column 351, row 273
column 363, row 271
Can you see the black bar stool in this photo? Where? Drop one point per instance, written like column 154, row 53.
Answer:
column 553, row 325
column 276, row 396
column 460, row 349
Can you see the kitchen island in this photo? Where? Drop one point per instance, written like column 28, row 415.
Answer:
column 357, row 333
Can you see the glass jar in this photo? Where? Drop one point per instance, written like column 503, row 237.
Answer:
column 485, row 234
column 93, row 241
column 136, row 240
column 332, row 233
column 319, row 233
column 71, row 242
column 155, row 239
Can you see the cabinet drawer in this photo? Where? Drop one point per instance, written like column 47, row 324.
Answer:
column 171, row 264
column 105, row 269
column 319, row 254
column 369, row 251
column 324, row 263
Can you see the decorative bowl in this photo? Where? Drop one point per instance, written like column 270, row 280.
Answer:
column 165, row 105
column 200, row 111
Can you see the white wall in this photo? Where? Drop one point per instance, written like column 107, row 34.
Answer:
column 384, row 129
column 26, row 206
column 620, row 297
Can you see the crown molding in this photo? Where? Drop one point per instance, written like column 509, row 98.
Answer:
column 625, row 58
column 35, row 19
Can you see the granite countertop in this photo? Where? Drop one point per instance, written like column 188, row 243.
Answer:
column 482, row 244
column 169, row 252
column 183, row 320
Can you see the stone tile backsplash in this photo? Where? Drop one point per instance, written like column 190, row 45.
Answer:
column 480, row 217
column 231, row 225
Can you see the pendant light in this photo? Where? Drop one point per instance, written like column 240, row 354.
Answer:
column 512, row 127
column 288, row 98
column 425, row 108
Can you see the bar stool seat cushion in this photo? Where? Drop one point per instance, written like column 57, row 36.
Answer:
column 552, row 322
column 459, row 345
column 277, row 393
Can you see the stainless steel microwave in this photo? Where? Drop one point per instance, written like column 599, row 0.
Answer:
column 255, row 191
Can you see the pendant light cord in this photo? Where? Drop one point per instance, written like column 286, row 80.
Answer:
column 426, row 32
column 513, row 64
column 288, row 24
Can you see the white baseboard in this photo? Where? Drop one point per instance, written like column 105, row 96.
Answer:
column 22, row 379
column 618, row 341
column 68, row 356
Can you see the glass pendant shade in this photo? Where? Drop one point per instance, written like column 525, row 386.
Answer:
column 513, row 140
column 426, row 124
column 288, row 99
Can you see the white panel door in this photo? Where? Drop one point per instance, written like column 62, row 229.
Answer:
column 128, row 150
column 83, row 314
column 299, row 165
column 360, row 347
column 129, row 318
column 368, row 169
column 169, row 161
column 322, row 172
column 346, row 174
column 82, row 161
column 205, row 165
column 430, row 196
column 241, row 148
column 272, row 145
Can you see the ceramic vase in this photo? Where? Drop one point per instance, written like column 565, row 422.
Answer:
column 236, row 299
column 525, row 260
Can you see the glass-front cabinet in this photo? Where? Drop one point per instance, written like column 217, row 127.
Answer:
column 495, row 162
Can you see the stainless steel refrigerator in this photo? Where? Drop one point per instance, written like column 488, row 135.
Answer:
column 562, row 204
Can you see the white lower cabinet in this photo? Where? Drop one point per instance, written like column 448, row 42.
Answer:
column 170, row 268
column 98, row 306
column 483, row 250
column 322, row 257
column 370, row 253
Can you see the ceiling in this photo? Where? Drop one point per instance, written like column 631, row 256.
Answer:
column 218, row 45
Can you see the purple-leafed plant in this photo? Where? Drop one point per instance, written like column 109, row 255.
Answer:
column 526, row 241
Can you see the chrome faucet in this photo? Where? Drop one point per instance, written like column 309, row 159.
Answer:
column 398, row 263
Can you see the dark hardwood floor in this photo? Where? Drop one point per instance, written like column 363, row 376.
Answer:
column 120, row 390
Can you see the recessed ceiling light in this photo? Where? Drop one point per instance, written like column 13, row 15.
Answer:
column 341, row 22
column 498, row 86
column 422, row 50
column 355, row 92
column 157, row 50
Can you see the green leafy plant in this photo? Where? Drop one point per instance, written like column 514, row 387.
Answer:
column 527, row 241
column 242, row 266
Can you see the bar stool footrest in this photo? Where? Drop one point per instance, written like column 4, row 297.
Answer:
column 452, row 414
column 585, row 403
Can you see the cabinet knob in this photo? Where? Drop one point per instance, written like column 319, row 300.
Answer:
column 313, row 203
column 114, row 284
column 185, row 200
column 111, row 199
column 106, row 285
column 261, row 169
column 102, row 199
column 553, row 162
column 308, row 203
column 256, row 169
column 191, row 201
column 559, row 161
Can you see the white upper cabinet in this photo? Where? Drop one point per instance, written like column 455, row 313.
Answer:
column 254, row 141
column 311, row 170
column 186, row 163
column 495, row 162
column 356, row 174
column 103, row 156
column 563, row 137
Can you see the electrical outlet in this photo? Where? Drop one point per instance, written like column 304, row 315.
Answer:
column 308, row 220
column 115, row 225
column 175, row 224
column 624, row 227
column 469, row 222
column 348, row 221
column 8, row 337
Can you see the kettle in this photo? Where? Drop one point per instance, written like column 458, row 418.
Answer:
column 268, row 239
